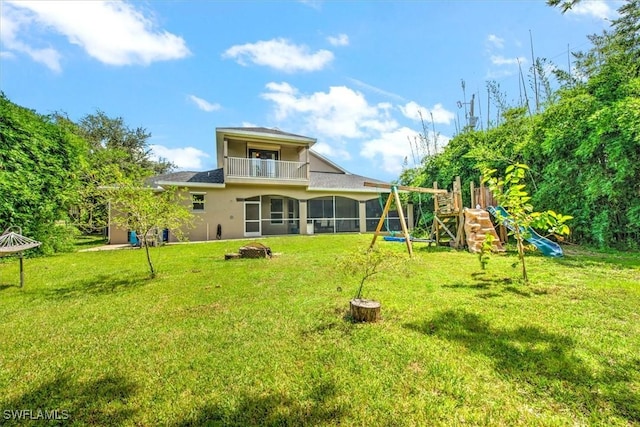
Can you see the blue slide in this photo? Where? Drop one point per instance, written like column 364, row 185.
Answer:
column 544, row 245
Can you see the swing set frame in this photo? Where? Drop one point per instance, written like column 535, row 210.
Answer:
column 393, row 195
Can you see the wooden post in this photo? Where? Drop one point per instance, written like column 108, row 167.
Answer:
column 403, row 223
column 21, row 270
column 394, row 194
column 472, row 188
column 457, row 194
column 382, row 217
column 436, row 208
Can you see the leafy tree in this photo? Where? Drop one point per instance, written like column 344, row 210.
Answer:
column 364, row 264
column 564, row 5
column 582, row 148
column 589, row 141
column 113, row 149
column 485, row 250
column 511, row 194
column 147, row 212
column 111, row 141
column 39, row 167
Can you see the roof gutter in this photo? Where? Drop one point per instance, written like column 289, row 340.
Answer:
column 347, row 190
column 191, row 184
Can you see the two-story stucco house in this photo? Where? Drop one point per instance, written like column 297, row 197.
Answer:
column 270, row 182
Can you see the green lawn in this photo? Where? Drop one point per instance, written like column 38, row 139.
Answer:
column 268, row 342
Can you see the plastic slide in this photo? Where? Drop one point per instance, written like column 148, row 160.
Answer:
column 544, row 245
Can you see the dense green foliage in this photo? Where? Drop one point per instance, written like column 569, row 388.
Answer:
column 114, row 150
column 511, row 194
column 39, row 167
column 51, row 171
column 112, row 142
column 583, row 148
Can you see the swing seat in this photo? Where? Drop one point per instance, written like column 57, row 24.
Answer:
column 401, row 239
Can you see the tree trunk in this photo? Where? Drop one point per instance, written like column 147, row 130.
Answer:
column 146, row 248
column 363, row 310
column 520, row 245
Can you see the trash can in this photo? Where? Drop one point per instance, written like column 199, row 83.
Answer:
column 310, row 227
column 133, row 239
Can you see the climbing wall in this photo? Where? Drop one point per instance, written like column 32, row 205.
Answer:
column 477, row 224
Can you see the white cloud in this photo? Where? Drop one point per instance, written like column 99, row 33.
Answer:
column 11, row 20
column 376, row 89
column 501, row 60
column 495, row 41
column 187, row 158
column 339, row 40
column 203, row 104
column 314, row 4
column 500, row 73
column 339, row 113
column 331, row 151
column 389, row 149
column 48, row 56
column 280, row 54
column 440, row 115
column 595, row 8
column 115, row 33
column 342, row 118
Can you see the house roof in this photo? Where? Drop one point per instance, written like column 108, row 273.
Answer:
column 265, row 132
column 319, row 181
column 215, row 176
column 340, row 182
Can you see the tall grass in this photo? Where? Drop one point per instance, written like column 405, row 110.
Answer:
column 268, row 342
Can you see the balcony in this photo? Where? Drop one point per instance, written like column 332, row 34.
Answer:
column 256, row 170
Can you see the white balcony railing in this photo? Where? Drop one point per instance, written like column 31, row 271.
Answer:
column 238, row 167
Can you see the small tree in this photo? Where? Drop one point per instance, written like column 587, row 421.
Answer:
column 511, row 194
column 144, row 210
column 364, row 264
column 485, row 250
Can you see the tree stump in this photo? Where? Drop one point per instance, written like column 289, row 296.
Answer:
column 363, row 310
column 255, row 250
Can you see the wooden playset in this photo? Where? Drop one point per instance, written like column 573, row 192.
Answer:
column 453, row 224
column 394, row 196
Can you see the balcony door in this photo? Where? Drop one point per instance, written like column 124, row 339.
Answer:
column 263, row 162
column 252, row 224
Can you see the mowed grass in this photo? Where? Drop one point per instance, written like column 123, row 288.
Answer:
column 268, row 342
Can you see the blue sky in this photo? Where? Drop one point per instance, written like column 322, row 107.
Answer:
column 353, row 74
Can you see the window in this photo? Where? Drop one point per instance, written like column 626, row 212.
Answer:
column 374, row 209
column 197, row 202
column 322, row 207
column 263, row 154
column 334, row 214
column 276, row 211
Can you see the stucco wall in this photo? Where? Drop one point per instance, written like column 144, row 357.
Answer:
column 319, row 165
column 222, row 206
column 226, row 207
